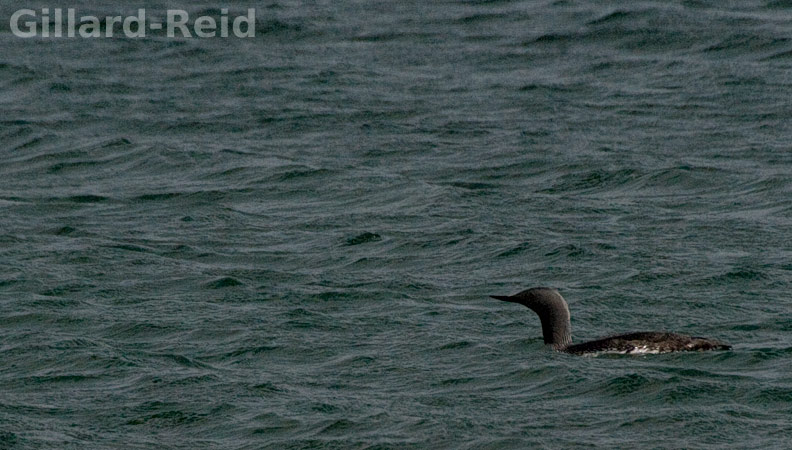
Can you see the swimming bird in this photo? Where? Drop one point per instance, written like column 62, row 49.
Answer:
column 553, row 312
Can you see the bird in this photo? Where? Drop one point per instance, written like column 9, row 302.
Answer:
column 553, row 312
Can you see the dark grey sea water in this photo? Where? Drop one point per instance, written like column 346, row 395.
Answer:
column 289, row 241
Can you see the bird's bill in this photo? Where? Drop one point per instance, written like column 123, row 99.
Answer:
column 505, row 298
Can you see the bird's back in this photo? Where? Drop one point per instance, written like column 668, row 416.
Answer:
column 647, row 342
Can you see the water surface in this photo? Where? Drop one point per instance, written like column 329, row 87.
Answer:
column 289, row 241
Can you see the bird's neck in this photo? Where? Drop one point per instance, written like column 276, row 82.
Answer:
column 556, row 327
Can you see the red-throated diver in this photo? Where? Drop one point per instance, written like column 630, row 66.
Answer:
column 557, row 331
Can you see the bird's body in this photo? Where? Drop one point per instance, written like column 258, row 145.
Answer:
column 553, row 312
column 643, row 342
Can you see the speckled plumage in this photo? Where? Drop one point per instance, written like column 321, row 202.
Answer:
column 553, row 312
